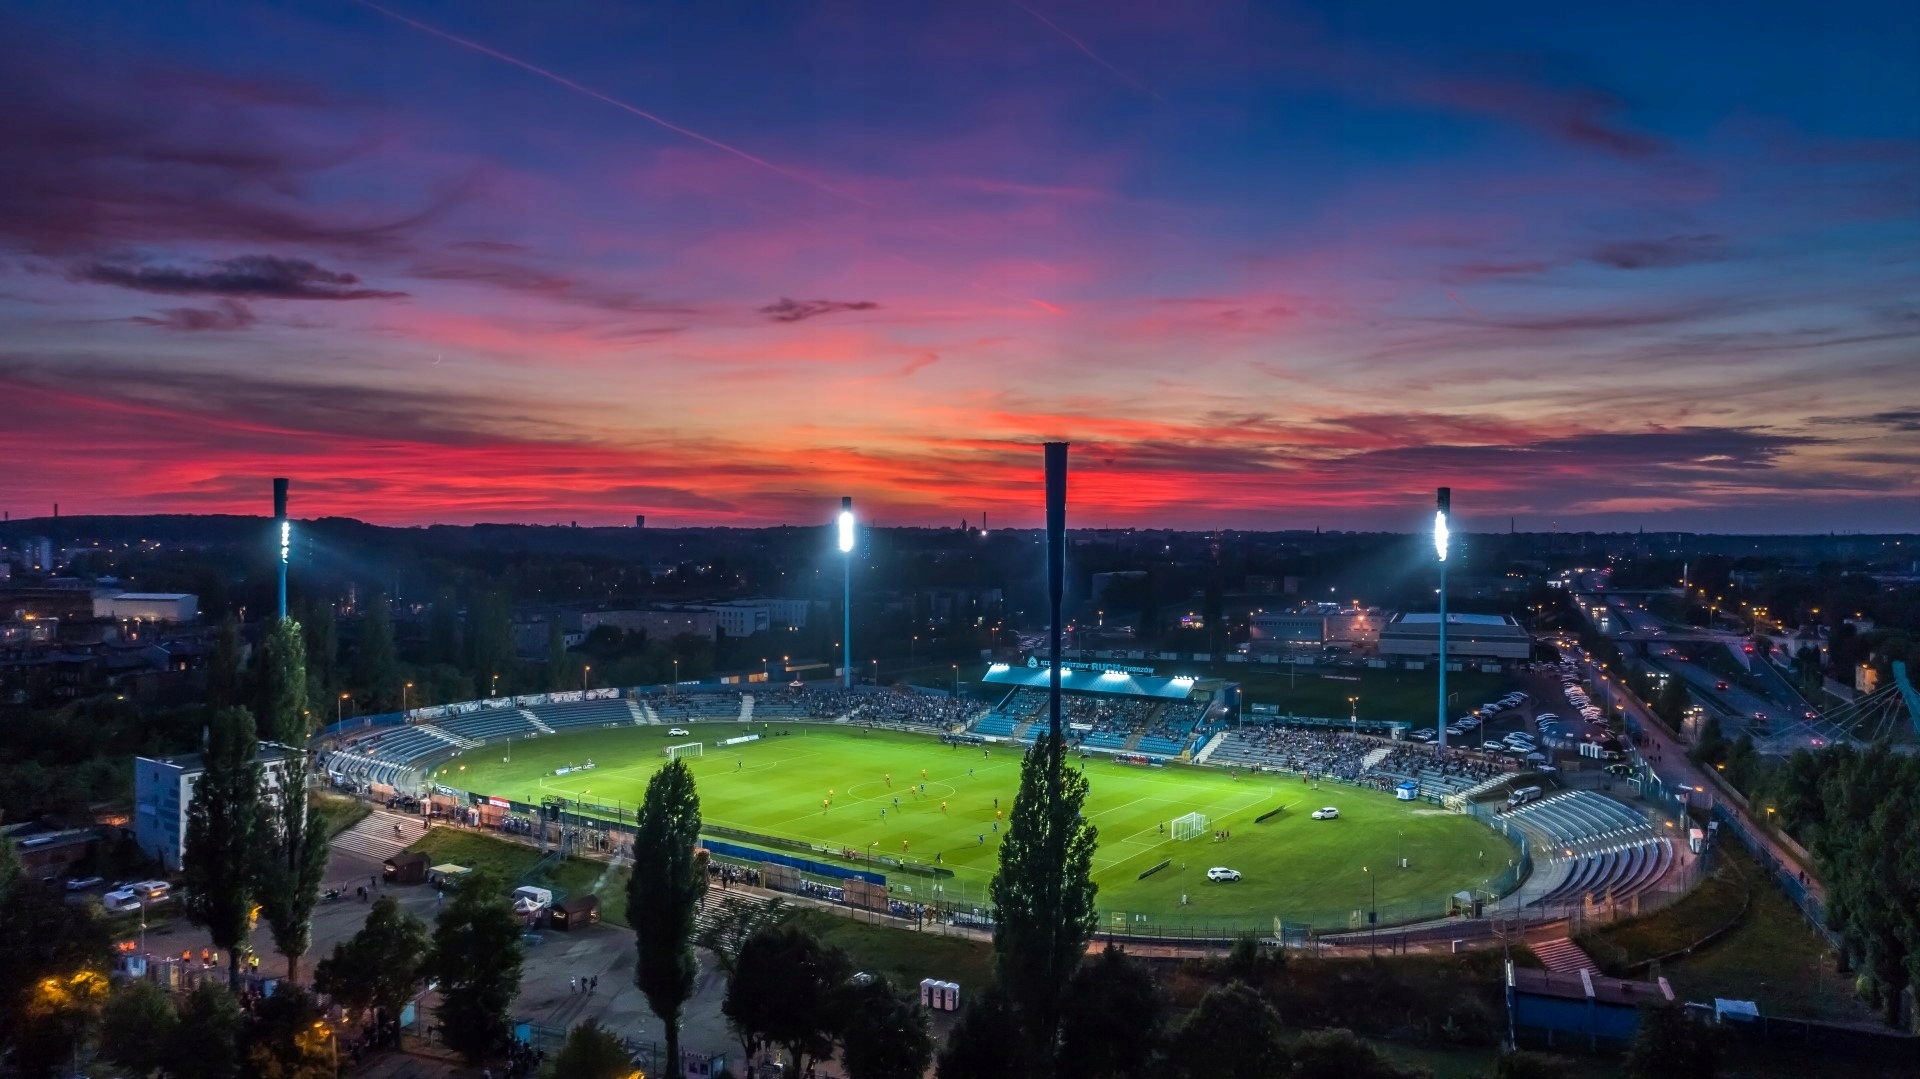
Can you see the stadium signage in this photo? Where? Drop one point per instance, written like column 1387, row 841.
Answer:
column 1036, row 662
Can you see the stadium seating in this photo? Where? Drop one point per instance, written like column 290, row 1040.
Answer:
column 1587, row 845
column 488, row 724
column 598, row 713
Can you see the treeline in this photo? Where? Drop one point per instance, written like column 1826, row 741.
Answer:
column 1858, row 812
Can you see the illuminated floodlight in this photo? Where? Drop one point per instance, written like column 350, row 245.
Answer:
column 846, row 526
column 1440, row 534
column 286, row 540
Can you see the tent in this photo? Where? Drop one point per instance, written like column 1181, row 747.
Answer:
column 1408, row 791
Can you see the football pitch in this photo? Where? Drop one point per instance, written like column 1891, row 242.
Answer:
column 1292, row 866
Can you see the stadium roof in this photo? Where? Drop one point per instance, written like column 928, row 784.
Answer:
column 1419, row 618
column 1116, row 683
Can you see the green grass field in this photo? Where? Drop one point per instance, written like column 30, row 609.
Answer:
column 1294, row 867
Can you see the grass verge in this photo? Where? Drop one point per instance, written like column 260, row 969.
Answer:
column 902, row 955
column 519, row 864
column 337, row 812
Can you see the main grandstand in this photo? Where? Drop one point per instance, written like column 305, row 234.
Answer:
column 1110, row 710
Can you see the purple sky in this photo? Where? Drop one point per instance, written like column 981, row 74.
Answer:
column 1593, row 266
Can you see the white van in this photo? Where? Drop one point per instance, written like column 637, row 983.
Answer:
column 120, row 901
column 1522, row 797
column 153, row 890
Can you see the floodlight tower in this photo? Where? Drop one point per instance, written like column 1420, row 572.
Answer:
column 285, row 528
column 846, row 597
column 1441, row 534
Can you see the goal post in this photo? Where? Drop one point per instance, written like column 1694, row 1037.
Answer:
column 689, row 749
column 1189, row 826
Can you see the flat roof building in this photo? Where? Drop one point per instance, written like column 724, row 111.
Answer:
column 148, row 606
column 1469, row 636
column 163, row 789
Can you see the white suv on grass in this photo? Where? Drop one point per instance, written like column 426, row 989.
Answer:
column 1222, row 874
column 1326, row 813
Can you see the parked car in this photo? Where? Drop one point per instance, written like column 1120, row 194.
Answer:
column 1224, row 875
column 1326, row 813
column 81, row 884
column 678, row 732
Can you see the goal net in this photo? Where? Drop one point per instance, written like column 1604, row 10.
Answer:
column 1189, row 826
column 691, row 749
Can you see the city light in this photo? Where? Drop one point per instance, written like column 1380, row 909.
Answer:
column 1440, row 533
column 846, row 530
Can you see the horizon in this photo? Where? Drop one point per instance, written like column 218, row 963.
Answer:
column 1271, row 268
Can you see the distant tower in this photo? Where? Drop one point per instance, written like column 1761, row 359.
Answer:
column 639, row 520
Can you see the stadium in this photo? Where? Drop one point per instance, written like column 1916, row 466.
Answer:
column 868, row 792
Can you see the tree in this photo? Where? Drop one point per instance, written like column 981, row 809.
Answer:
column 981, row 1045
column 137, row 1025
column 663, row 896
column 224, row 666
column 206, row 1040
column 288, row 1038
column 376, row 671
column 559, row 664
column 443, row 632
column 490, row 641
column 60, row 1010
column 41, row 936
column 1521, row 1064
column 1673, row 702
column 1338, row 1054
column 1112, row 1019
column 884, row 1033
column 786, row 991
column 476, row 958
column 223, row 826
column 293, row 852
column 1233, row 1034
column 728, row 928
column 591, row 1052
column 381, row 965
column 1043, row 893
column 323, row 657
column 1670, row 1045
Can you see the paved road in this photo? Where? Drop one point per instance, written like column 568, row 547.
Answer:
column 1668, row 759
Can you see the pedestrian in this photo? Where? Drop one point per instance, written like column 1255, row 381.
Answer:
column 983, row 839
column 573, row 986
column 438, row 895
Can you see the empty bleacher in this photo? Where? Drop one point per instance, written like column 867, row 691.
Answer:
column 607, row 712
column 697, row 706
column 488, row 724
column 1587, row 845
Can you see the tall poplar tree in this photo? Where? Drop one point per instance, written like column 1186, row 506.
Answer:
column 223, row 825
column 293, row 851
column 1043, row 894
column 663, row 896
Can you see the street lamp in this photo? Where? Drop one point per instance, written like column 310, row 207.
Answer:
column 586, row 674
column 676, row 676
column 1353, row 713
column 406, row 692
column 1443, row 508
column 846, row 596
column 1373, row 907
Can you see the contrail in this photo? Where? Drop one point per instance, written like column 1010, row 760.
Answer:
column 589, row 91
column 1091, row 55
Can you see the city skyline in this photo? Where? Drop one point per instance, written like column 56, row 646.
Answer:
column 1267, row 268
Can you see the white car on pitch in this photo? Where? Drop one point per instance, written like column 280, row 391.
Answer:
column 678, row 732
column 1222, row 874
column 1326, row 813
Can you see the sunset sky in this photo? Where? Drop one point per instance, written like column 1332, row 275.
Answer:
column 1601, row 265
